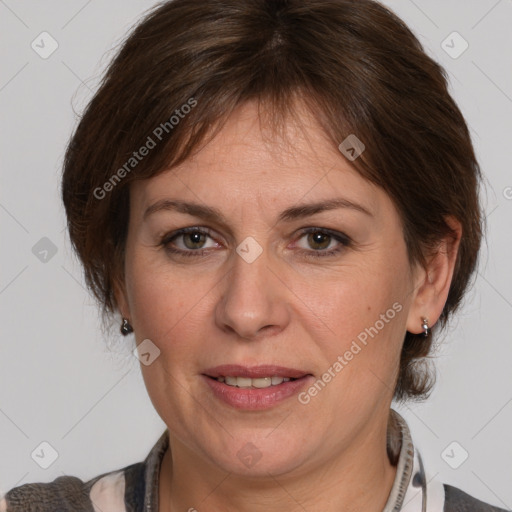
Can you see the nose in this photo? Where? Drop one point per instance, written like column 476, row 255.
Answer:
column 254, row 300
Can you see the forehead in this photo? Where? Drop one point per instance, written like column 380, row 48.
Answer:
column 248, row 162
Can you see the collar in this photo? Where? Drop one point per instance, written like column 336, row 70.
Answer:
column 412, row 490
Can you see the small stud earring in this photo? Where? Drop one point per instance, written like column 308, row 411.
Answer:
column 126, row 328
column 426, row 328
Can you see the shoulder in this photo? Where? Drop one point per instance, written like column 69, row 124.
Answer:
column 459, row 501
column 111, row 491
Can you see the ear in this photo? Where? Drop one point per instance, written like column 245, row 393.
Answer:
column 432, row 283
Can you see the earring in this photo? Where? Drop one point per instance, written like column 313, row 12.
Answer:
column 126, row 328
column 426, row 328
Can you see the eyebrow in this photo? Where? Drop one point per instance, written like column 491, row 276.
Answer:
column 288, row 215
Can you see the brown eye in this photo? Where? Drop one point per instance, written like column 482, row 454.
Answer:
column 188, row 242
column 196, row 239
column 319, row 240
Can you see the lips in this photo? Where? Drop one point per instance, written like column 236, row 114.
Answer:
column 255, row 387
column 259, row 383
column 254, row 372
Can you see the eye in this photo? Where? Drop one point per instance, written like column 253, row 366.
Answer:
column 320, row 239
column 188, row 241
column 192, row 241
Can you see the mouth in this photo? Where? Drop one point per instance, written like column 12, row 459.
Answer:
column 256, row 383
column 256, row 387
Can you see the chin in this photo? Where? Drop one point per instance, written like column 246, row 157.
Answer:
column 258, row 456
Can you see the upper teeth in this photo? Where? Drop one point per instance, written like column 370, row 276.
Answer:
column 246, row 382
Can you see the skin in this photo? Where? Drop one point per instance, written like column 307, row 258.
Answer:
column 283, row 308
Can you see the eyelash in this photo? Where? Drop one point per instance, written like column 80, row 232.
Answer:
column 343, row 239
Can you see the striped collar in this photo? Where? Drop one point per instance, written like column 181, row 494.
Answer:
column 412, row 491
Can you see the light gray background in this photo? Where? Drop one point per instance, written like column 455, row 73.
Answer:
column 64, row 383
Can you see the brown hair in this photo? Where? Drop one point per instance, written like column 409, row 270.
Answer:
column 353, row 63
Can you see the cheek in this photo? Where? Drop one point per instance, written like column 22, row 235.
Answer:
column 360, row 355
column 160, row 299
column 359, row 314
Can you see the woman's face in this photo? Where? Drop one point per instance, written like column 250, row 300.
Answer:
column 247, row 286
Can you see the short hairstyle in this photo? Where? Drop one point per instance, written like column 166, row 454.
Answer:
column 354, row 64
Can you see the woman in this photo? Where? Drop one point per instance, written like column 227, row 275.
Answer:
column 280, row 199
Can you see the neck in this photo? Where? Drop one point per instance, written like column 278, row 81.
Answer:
column 188, row 482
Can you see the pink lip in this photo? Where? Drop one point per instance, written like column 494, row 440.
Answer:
column 252, row 398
